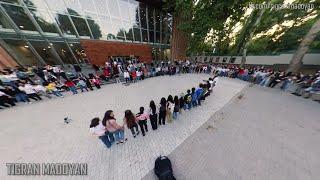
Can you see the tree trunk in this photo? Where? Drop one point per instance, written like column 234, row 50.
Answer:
column 296, row 61
column 179, row 40
column 244, row 55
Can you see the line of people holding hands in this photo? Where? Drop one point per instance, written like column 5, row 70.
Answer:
column 109, row 131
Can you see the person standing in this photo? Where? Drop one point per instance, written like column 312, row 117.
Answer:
column 142, row 121
column 97, row 129
column 162, row 111
column 176, row 108
column 153, row 115
column 131, row 122
column 170, row 107
column 113, row 127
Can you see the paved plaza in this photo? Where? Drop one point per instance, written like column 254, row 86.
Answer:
column 36, row 133
column 263, row 134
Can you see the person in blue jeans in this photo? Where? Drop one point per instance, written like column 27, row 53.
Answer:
column 176, row 108
column 113, row 127
column 198, row 93
column 194, row 97
column 97, row 129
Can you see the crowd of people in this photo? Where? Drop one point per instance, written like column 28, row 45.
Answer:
column 299, row 84
column 24, row 84
column 33, row 83
column 111, row 131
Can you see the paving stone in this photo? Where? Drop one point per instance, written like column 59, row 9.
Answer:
column 37, row 133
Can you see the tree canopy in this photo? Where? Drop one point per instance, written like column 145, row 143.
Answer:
column 223, row 26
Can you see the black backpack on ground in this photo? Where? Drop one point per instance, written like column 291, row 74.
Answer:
column 163, row 168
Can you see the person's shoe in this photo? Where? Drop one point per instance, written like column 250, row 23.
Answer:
column 134, row 136
column 138, row 133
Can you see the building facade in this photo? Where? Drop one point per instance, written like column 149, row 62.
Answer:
column 39, row 32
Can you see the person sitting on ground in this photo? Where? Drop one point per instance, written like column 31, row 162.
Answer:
column 131, row 122
column 41, row 90
column 51, row 88
column 29, row 90
column 142, row 118
column 95, row 81
column 82, row 85
column 126, row 76
column 72, row 87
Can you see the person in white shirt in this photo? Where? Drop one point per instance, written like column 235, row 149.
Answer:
column 126, row 76
column 30, row 91
column 138, row 75
column 97, row 129
column 41, row 90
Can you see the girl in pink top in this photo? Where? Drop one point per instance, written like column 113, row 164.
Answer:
column 113, row 127
column 142, row 120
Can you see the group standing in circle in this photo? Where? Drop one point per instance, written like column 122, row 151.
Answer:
column 110, row 131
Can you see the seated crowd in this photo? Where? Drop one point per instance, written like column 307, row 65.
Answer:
column 22, row 84
column 306, row 85
column 110, row 131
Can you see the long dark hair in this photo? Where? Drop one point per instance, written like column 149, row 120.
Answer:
column 163, row 102
column 153, row 107
column 107, row 116
column 176, row 100
column 170, row 99
column 130, row 119
column 94, row 122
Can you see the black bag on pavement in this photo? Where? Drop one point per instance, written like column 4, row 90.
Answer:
column 163, row 168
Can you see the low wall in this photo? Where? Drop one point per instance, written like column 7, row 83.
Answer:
column 309, row 59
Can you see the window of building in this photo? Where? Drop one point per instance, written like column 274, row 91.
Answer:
column 81, row 26
column 151, row 36
column 78, row 51
column 128, row 31
column 157, row 37
column 157, row 19
column 102, row 7
column 217, row 59
column 95, row 27
column 64, row 52
column 119, row 29
column 45, row 51
column 22, row 52
column 151, row 18
column 44, row 20
column 88, row 7
column 124, row 9
column 37, row 4
column 137, row 36
column 144, row 35
column 113, row 8
column 57, row 5
column 5, row 24
column 108, row 32
column 20, row 18
column 143, row 17
column 65, row 24
column 11, row 1
column 134, row 13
